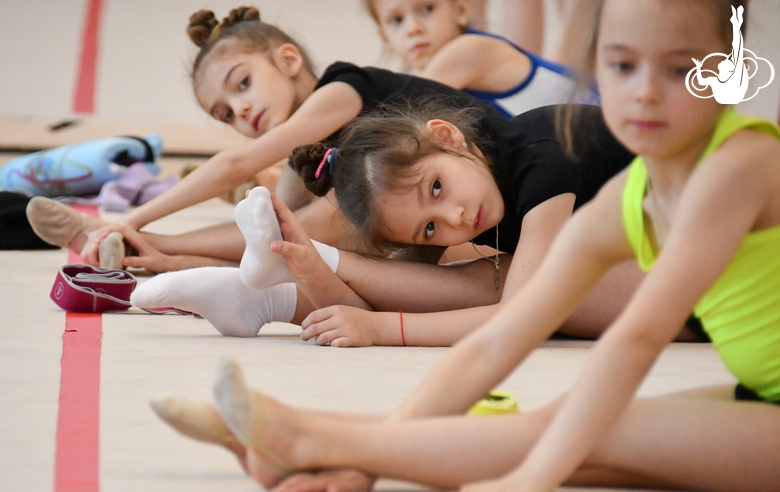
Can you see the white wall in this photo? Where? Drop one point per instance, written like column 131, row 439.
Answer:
column 144, row 51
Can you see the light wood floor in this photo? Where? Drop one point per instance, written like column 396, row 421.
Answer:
column 144, row 356
column 142, row 87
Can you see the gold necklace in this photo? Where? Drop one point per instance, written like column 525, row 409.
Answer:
column 496, row 261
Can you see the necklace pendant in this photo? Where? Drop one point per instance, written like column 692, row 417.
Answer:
column 497, row 278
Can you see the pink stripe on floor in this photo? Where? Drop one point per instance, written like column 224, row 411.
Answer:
column 84, row 95
column 77, row 450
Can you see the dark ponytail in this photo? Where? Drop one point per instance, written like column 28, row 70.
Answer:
column 377, row 153
column 305, row 160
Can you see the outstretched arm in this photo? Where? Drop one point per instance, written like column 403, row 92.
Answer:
column 581, row 254
column 331, row 107
column 312, row 274
column 478, row 62
column 717, row 209
column 393, row 286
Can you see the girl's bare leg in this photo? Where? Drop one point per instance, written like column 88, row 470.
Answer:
column 668, row 442
column 223, row 241
column 421, row 287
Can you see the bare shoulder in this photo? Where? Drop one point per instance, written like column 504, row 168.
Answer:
column 746, row 165
column 747, row 151
column 490, row 52
column 476, row 45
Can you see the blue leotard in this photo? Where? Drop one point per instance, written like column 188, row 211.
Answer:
column 547, row 83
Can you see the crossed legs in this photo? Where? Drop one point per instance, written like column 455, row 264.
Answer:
column 699, row 440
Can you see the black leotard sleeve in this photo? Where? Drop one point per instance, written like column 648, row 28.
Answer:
column 533, row 166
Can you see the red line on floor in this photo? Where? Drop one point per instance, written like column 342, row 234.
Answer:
column 84, row 95
column 76, row 461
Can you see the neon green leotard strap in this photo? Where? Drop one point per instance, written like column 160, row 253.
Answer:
column 741, row 310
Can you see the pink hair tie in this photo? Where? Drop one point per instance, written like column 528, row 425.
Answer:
column 322, row 163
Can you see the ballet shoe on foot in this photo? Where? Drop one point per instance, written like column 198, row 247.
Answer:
column 111, row 251
column 197, row 420
column 234, row 402
column 54, row 222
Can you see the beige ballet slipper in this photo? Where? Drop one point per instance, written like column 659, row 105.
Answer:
column 234, row 400
column 199, row 421
column 54, row 222
column 111, row 251
column 236, row 405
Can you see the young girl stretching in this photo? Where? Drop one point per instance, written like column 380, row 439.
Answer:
column 433, row 36
column 426, row 176
column 700, row 209
column 255, row 78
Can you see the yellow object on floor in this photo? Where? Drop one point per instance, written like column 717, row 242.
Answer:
column 495, row 403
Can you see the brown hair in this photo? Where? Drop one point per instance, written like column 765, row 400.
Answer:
column 580, row 44
column 377, row 154
column 243, row 25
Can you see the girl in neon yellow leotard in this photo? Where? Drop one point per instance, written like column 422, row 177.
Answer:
column 701, row 206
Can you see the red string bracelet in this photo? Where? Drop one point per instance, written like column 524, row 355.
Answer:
column 403, row 340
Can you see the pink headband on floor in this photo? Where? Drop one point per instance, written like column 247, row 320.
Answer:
column 322, row 163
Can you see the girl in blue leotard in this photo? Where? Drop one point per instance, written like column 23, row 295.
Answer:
column 433, row 36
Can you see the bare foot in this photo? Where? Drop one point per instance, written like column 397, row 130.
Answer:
column 267, row 428
column 200, row 421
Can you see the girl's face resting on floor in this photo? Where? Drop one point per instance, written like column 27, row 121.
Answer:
column 452, row 200
column 644, row 52
column 416, row 29
column 251, row 92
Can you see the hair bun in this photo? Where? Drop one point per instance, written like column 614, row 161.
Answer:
column 241, row 14
column 305, row 160
column 202, row 23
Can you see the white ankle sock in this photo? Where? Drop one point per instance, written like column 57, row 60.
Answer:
column 260, row 267
column 329, row 254
column 219, row 295
column 255, row 216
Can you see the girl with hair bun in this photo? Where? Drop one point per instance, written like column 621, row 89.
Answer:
column 255, row 78
column 425, row 175
column 698, row 208
column 436, row 38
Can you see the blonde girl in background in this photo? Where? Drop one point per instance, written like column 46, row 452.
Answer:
column 699, row 209
column 434, row 37
column 255, row 78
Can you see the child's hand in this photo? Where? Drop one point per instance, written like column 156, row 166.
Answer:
column 340, row 480
column 301, row 256
column 148, row 257
column 343, row 326
column 89, row 253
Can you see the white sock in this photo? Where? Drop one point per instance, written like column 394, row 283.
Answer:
column 329, row 254
column 219, row 295
column 260, row 267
